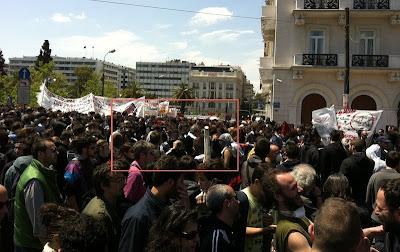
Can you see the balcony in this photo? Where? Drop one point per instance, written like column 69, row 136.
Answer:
column 321, row 4
column 370, row 61
column 371, row 4
column 320, row 59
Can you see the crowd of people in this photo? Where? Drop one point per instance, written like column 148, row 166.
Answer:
column 88, row 182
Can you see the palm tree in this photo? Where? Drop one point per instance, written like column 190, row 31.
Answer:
column 135, row 90
column 183, row 91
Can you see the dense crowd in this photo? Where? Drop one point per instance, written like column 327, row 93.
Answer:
column 88, row 182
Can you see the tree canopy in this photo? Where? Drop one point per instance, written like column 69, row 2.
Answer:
column 2, row 61
column 183, row 91
column 44, row 55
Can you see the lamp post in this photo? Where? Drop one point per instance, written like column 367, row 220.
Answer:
column 104, row 61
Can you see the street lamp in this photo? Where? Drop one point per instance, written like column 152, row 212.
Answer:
column 104, row 61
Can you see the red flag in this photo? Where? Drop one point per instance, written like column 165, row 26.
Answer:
column 285, row 128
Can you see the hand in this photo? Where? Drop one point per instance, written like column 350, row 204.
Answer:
column 177, row 145
column 270, row 229
column 201, row 198
column 268, row 220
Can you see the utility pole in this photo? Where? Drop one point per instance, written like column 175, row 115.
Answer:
column 347, row 64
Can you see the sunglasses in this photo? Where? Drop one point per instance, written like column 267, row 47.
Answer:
column 7, row 204
column 190, row 235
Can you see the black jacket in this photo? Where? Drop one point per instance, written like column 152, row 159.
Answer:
column 216, row 236
column 331, row 158
column 309, row 155
column 288, row 165
column 137, row 222
column 358, row 169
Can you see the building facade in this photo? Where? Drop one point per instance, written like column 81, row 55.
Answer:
column 217, row 82
column 160, row 78
column 120, row 75
column 303, row 65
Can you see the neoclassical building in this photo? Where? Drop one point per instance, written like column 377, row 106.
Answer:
column 303, row 65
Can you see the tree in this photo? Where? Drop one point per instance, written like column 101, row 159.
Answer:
column 8, row 86
column 259, row 98
column 2, row 61
column 87, row 81
column 134, row 90
column 44, row 55
column 183, row 91
column 110, row 89
column 55, row 81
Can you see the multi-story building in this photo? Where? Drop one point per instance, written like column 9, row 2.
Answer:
column 304, row 57
column 248, row 91
column 160, row 78
column 217, row 82
column 121, row 75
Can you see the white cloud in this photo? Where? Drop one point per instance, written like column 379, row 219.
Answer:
column 129, row 47
column 192, row 32
column 60, row 18
column 81, row 16
column 203, row 19
column 162, row 26
column 179, row 45
column 224, row 35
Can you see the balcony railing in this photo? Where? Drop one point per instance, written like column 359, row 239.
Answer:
column 321, row 4
column 320, row 59
column 370, row 61
column 372, row 4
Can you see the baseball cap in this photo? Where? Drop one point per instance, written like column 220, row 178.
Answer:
column 382, row 139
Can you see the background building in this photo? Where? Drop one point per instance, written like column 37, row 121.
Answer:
column 120, row 75
column 217, row 82
column 302, row 68
column 160, row 78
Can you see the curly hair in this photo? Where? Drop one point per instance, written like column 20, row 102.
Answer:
column 168, row 227
column 55, row 217
column 337, row 185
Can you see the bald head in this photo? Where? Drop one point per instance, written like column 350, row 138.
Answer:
column 3, row 201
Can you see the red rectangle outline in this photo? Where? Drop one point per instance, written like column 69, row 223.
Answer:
column 216, row 100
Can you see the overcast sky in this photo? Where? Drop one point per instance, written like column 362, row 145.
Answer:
column 138, row 33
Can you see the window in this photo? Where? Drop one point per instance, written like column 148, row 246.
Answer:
column 229, row 95
column 212, row 85
column 229, row 86
column 211, row 105
column 196, row 85
column 204, row 85
column 220, row 86
column 367, row 42
column 317, row 38
column 212, row 95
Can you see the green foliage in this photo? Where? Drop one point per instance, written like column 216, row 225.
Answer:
column 2, row 61
column 88, row 81
column 110, row 89
column 134, row 90
column 55, row 81
column 8, row 86
column 44, row 55
column 183, row 91
column 259, row 98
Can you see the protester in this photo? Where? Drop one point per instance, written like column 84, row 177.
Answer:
column 37, row 185
column 140, row 217
column 55, row 218
column 109, row 188
column 377, row 152
column 292, row 225
column 6, row 226
column 377, row 179
column 332, row 155
column 216, row 231
column 328, row 235
column 174, row 230
column 387, row 208
column 358, row 169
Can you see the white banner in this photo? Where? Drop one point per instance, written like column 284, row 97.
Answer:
column 324, row 121
column 88, row 103
column 163, row 107
column 351, row 121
